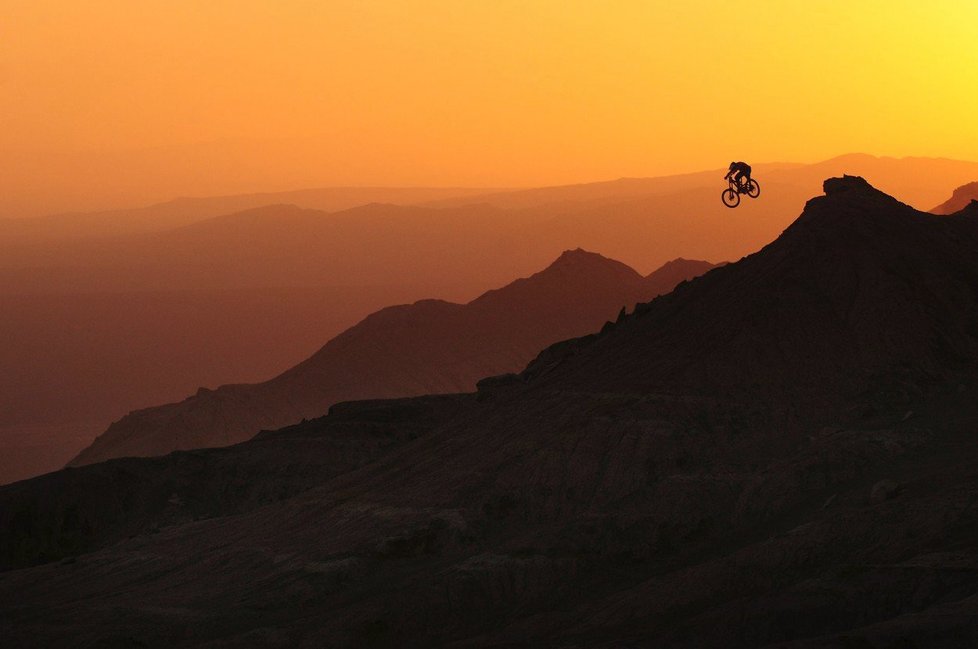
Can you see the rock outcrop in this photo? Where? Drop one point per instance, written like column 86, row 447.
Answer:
column 961, row 198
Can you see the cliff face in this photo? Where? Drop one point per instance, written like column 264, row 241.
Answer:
column 778, row 453
column 962, row 197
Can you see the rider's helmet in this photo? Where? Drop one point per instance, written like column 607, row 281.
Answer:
column 733, row 164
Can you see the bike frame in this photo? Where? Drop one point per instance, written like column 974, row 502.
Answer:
column 737, row 187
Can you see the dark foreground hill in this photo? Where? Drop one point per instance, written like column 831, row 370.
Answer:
column 780, row 453
column 428, row 347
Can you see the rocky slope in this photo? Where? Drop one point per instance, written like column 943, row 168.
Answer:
column 960, row 199
column 860, row 289
column 428, row 347
column 779, row 453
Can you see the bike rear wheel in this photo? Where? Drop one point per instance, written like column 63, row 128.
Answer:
column 730, row 198
column 754, row 189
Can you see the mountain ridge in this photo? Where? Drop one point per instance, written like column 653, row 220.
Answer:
column 850, row 206
column 430, row 346
column 960, row 199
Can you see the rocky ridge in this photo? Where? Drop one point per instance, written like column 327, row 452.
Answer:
column 962, row 197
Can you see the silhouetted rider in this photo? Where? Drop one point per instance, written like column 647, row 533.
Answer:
column 740, row 172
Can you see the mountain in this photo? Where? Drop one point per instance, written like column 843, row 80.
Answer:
column 184, row 211
column 333, row 254
column 642, row 222
column 959, row 200
column 287, row 246
column 96, row 327
column 826, row 333
column 431, row 346
column 75, row 362
column 778, row 453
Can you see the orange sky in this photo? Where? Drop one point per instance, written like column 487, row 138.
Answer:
column 114, row 102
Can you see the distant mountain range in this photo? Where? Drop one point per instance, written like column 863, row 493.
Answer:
column 778, row 453
column 920, row 181
column 428, row 347
column 184, row 211
column 473, row 241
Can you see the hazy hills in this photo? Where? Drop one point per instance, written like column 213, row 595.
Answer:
column 475, row 241
column 189, row 287
column 74, row 362
column 918, row 181
column 778, row 453
column 184, row 211
column 428, row 347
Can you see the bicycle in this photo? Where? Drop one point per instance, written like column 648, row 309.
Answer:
column 731, row 195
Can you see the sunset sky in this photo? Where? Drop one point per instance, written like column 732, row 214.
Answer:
column 107, row 103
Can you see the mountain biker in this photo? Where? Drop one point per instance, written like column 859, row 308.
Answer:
column 740, row 172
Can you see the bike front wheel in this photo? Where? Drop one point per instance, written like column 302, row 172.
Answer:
column 730, row 198
column 754, row 189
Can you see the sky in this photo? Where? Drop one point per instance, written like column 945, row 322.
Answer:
column 110, row 103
